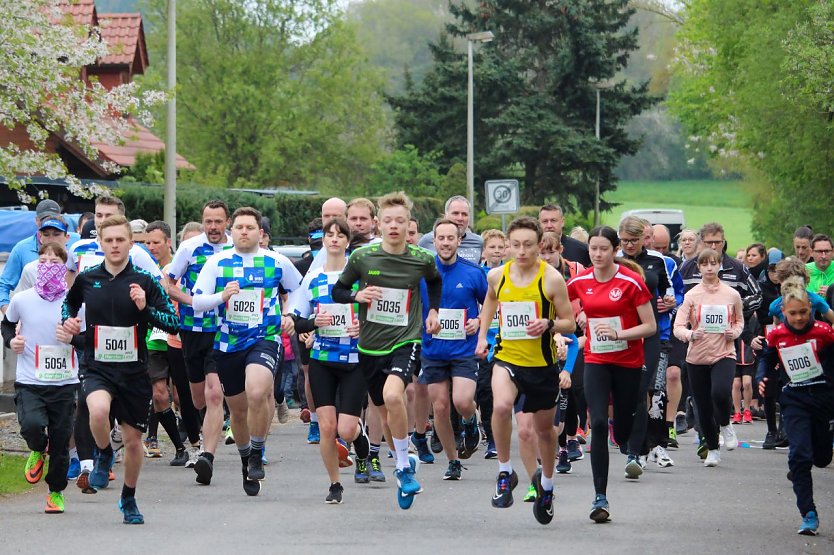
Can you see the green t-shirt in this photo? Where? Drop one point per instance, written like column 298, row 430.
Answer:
column 818, row 277
column 397, row 319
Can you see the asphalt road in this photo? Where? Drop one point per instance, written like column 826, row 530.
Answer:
column 746, row 505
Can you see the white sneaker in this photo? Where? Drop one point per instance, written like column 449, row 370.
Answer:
column 283, row 411
column 730, row 437
column 713, row 458
column 720, row 439
column 193, row 453
column 661, row 457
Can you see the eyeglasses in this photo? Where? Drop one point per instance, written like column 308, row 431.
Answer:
column 823, row 252
column 630, row 241
column 714, row 243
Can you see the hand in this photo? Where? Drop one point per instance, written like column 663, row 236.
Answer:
column 756, row 343
column 62, row 335
column 606, row 331
column 232, row 288
column 822, row 290
column 561, row 346
column 582, row 320
column 665, row 304
column 18, row 343
column 137, row 295
column 287, row 325
column 353, row 329
column 535, row 328
column 697, row 334
column 762, row 385
column 472, row 326
column 482, row 349
column 309, row 340
column 72, row 325
column 564, row 379
column 432, row 323
column 369, row 294
column 728, row 334
column 323, row 319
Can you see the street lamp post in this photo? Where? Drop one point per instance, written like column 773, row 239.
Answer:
column 485, row 36
column 596, row 189
column 170, row 199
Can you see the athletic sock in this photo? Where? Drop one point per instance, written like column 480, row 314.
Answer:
column 73, row 453
column 244, row 452
column 314, row 417
column 169, row 422
column 153, row 423
column 128, row 492
column 107, row 450
column 401, row 448
column 418, row 435
column 505, row 467
column 257, row 442
column 361, row 445
column 374, row 450
column 547, row 483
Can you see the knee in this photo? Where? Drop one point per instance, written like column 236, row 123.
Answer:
column 441, row 408
column 673, row 376
column 213, row 396
column 525, row 433
column 99, row 413
column 30, row 428
column 502, row 409
column 327, row 427
column 392, row 397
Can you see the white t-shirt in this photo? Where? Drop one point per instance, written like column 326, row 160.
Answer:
column 28, row 276
column 38, row 321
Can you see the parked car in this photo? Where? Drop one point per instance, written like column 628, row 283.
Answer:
column 671, row 218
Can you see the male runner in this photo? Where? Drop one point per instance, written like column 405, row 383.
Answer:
column 552, row 218
column 244, row 285
column 820, row 270
column 533, row 302
column 471, row 245
column 122, row 301
column 390, row 311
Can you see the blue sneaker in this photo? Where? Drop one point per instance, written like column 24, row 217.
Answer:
column 130, row 511
column 423, row 451
column 600, row 511
column 264, row 460
column 563, row 465
column 810, row 524
column 633, row 468
column 100, row 476
column 575, row 452
column 313, row 436
column 74, row 469
column 407, row 484
column 491, row 452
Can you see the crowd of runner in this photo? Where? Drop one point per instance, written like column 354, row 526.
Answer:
column 598, row 342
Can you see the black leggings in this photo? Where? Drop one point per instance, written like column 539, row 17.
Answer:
column 179, row 376
column 622, row 386
column 712, row 387
column 483, row 396
column 637, row 440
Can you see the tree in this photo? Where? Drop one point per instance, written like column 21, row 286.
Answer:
column 272, row 92
column 42, row 53
column 418, row 174
column 535, row 96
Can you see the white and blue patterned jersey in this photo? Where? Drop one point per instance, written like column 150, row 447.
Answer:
column 87, row 253
column 255, row 313
column 314, row 291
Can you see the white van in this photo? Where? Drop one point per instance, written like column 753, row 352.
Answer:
column 671, row 218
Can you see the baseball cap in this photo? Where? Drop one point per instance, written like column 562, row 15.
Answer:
column 138, row 226
column 774, row 257
column 53, row 223
column 47, row 206
column 89, row 230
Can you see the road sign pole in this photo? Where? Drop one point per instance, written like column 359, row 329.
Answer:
column 503, row 223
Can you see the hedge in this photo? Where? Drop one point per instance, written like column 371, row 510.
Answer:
column 288, row 214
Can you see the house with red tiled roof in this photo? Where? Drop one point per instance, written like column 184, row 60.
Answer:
column 127, row 56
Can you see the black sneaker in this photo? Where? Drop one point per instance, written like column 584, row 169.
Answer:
column 563, row 465
column 782, row 439
column 256, row 465
column 204, row 469
column 454, row 471
column 334, row 497
column 504, row 486
column 543, row 505
column 471, row 438
column 251, row 487
column 436, row 446
column 769, row 441
column 180, row 458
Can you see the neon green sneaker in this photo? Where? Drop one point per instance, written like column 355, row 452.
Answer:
column 54, row 503
column 34, row 467
column 230, row 438
column 530, row 496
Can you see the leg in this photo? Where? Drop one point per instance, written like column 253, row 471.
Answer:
column 239, row 412
column 189, row 414
column 327, row 446
column 213, row 420
column 737, row 396
column 747, row 391
column 546, row 435
column 259, row 396
column 396, row 418
column 463, row 396
column 98, row 404
column 439, row 396
column 504, row 393
column 134, row 454
column 722, row 383
column 700, row 382
column 673, row 392
column 422, row 403
column 528, row 448
column 597, row 393
column 483, row 394
column 798, row 424
column 60, row 413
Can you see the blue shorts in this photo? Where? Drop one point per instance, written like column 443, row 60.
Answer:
column 437, row 371
column 231, row 367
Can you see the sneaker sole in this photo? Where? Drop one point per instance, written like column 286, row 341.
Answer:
column 633, row 471
column 600, row 515
column 332, row 501
column 204, row 471
column 251, row 487
column 807, row 532
column 53, row 511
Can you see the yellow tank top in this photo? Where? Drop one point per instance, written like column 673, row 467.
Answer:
column 517, row 306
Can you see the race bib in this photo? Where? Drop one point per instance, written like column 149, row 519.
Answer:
column 496, row 322
column 87, row 260
column 158, row 335
column 246, row 307
column 342, row 317
column 114, row 344
column 452, row 324
column 514, row 319
column 714, row 318
column 391, row 309
column 800, row 362
column 601, row 343
column 55, row 363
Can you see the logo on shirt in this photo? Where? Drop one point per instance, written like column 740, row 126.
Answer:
column 237, row 272
column 459, row 286
column 589, row 291
column 96, row 285
column 615, row 294
column 373, row 272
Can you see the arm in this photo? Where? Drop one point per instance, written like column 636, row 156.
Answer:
column 159, row 312
column 343, row 290
column 738, row 319
column 573, row 353
column 753, row 297
column 489, row 307
column 8, row 329
column 766, row 365
column 681, row 324
column 557, row 291
column 73, row 300
column 175, row 292
column 10, row 277
column 647, row 326
column 205, row 297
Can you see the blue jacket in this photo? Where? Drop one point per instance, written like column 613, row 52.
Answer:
column 464, row 286
column 664, row 323
column 24, row 252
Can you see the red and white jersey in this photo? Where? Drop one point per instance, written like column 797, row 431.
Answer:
column 614, row 303
column 799, row 355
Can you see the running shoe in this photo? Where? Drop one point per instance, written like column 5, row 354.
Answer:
column 633, row 468
column 454, row 471
column 769, row 441
column 34, row 467
column 423, row 452
column 111, row 476
column 659, row 456
column 100, row 476
column 250, row 487
column 730, row 438
column 471, row 437
column 83, row 482
column 680, row 423
column 746, row 417
column 204, row 469
column 736, row 418
column 152, row 448
column 283, row 411
column 360, row 474
column 304, row 415
column 810, row 524
column 782, row 439
column 575, row 452
column 375, row 469
column 193, row 452
column 116, row 441
column 255, row 469
column 504, row 486
column 672, row 442
column 436, row 446
column 580, row 436
column 543, row 505
column 130, row 511
column 563, row 465
column 702, row 448
column 180, row 458
column 54, row 503
column 611, row 441
column 344, row 453
column 74, row 469
column 230, row 437
column 334, row 496
column 263, row 456
column 491, row 452
column 713, row 458
column 313, row 434
column 407, row 484
column 530, row 496
column 600, row 511
column 293, row 404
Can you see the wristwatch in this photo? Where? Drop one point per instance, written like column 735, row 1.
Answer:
column 550, row 324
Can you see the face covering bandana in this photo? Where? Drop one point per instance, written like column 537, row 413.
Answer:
column 51, row 283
